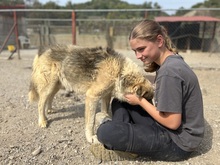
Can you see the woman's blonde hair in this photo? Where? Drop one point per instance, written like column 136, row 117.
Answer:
column 149, row 30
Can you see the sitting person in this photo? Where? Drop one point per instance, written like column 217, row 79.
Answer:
column 171, row 128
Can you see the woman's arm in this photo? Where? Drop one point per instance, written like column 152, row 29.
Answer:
column 169, row 120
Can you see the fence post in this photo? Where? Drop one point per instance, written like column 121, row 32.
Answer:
column 73, row 28
column 16, row 34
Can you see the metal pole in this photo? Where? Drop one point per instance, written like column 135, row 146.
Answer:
column 73, row 28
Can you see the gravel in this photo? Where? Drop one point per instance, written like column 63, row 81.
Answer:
column 63, row 142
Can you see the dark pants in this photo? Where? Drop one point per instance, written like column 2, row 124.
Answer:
column 133, row 130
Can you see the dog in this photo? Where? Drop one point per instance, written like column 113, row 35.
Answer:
column 99, row 73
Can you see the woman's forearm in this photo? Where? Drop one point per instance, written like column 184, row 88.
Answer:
column 169, row 120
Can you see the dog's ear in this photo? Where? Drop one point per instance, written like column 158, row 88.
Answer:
column 142, row 91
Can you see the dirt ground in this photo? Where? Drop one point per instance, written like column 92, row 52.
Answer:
column 63, row 142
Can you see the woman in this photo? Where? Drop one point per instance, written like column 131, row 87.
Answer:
column 172, row 128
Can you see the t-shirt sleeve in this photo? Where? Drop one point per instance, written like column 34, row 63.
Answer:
column 168, row 94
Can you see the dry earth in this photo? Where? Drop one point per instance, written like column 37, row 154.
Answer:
column 63, row 142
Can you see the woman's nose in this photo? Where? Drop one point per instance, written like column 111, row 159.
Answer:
column 138, row 55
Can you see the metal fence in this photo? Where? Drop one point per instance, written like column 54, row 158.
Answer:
column 197, row 35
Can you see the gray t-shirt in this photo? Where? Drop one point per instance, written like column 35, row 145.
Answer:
column 178, row 91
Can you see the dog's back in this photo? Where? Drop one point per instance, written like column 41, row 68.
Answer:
column 74, row 67
column 82, row 65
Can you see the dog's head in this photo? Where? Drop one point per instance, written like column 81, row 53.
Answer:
column 138, row 85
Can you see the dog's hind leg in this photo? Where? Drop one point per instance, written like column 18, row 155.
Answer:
column 42, row 120
column 50, row 100
column 45, row 101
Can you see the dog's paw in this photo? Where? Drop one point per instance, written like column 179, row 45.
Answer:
column 43, row 123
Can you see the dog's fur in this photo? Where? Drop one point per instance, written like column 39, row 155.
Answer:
column 96, row 72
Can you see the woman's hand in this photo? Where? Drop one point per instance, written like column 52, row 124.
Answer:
column 133, row 99
column 169, row 120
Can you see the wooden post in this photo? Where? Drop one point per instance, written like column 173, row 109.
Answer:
column 73, row 28
column 16, row 35
column 213, row 32
column 145, row 14
column 211, row 44
column 203, row 36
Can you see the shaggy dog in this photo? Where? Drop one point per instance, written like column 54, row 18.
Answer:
column 96, row 72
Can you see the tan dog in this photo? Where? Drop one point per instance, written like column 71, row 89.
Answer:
column 96, row 72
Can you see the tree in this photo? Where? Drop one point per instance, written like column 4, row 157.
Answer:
column 99, row 4
column 212, row 3
column 69, row 5
column 11, row 2
column 181, row 12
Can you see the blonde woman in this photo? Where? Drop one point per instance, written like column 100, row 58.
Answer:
column 172, row 128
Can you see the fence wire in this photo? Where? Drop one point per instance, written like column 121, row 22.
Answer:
column 39, row 28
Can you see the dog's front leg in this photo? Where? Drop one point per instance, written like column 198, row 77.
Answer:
column 105, row 104
column 90, row 111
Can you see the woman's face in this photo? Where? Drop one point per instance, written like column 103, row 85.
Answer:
column 146, row 51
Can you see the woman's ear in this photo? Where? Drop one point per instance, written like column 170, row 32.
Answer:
column 160, row 40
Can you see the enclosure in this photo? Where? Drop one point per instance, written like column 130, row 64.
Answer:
column 64, row 142
column 197, row 30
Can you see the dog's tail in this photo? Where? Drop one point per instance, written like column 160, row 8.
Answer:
column 33, row 94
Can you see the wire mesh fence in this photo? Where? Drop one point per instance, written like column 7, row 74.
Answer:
column 40, row 28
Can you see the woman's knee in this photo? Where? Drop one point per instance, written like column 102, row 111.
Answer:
column 112, row 133
column 103, row 132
